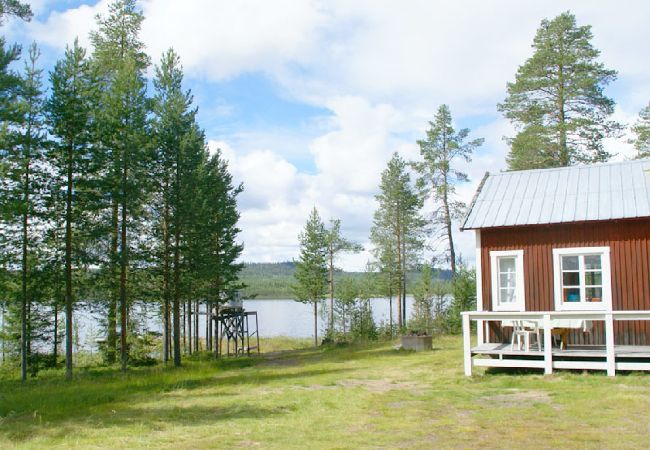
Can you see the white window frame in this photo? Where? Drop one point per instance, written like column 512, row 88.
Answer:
column 520, row 304
column 606, row 303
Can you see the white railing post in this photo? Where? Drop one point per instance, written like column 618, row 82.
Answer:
column 548, row 345
column 609, row 345
column 467, row 345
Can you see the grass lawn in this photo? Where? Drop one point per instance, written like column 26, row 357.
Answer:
column 350, row 397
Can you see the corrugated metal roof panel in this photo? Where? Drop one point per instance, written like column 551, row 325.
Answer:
column 560, row 196
column 568, row 194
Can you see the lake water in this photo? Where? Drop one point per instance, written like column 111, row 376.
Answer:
column 290, row 318
column 281, row 317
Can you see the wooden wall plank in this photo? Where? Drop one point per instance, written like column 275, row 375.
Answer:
column 629, row 242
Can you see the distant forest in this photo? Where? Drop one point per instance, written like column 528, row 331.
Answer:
column 274, row 280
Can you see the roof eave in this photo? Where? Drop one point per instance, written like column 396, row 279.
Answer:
column 473, row 203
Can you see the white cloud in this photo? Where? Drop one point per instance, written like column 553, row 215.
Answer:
column 381, row 68
column 222, row 39
column 61, row 28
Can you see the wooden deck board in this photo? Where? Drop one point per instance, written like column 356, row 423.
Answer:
column 573, row 351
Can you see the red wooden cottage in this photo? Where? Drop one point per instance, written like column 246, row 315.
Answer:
column 563, row 251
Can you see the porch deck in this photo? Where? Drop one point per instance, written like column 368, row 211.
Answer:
column 572, row 351
column 608, row 357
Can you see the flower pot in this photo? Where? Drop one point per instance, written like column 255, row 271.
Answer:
column 417, row 343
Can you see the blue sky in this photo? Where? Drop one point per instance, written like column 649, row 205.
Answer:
column 308, row 99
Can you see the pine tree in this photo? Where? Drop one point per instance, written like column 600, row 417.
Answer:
column 423, row 293
column 336, row 244
column 397, row 230
column 186, row 220
column 69, row 119
column 173, row 118
column 641, row 130
column 126, row 116
column 117, row 49
column 347, row 293
column 22, row 185
column 216, row 235
column 31, row 147
column 557, row 101
column 15, row 8
column 438, row 174
column 311, row 267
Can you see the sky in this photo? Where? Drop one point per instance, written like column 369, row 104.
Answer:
column 308, row 99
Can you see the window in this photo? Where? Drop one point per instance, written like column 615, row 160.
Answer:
column 582, row 278
column 507, row 269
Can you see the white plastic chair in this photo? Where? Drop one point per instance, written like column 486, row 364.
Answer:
column 524, row 329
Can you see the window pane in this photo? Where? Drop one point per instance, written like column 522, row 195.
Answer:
column 594, row 294
column 507, row 280
column 571, row 295
column 507, row 295
column 507, row 264
column 569, row 263
column 571, row 278
column 594, row 278
column 592, row 262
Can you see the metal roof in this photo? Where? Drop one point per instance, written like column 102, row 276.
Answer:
column 567, row 194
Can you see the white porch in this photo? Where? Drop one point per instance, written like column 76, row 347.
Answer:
column 608, row 357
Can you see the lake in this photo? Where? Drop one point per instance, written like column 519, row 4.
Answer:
column 279, row 317
column 284, row 317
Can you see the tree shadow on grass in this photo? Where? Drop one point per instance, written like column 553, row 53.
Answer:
column 27, row 411
column 150, row 419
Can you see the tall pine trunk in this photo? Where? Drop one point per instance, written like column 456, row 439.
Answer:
column 398, row 233
column 176, row 300
column 208, row 325
column 403, row 279
column 196, row 327
column 315, row 323
column 55, row 349
column 166, row 278
column 331, row 287
column 565, row 159
column 188, row 317
column 68, row 268
column 24, row 338
column 111, row 339
column 124, row 261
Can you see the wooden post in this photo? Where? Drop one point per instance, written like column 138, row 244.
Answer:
column 548, row 346
column 467, row 346
column 609, row 345
column 481, row 325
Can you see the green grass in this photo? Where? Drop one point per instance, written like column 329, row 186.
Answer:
column 346, row 397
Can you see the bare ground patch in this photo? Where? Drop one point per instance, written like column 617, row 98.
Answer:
column 378, row 386
column 518, row 397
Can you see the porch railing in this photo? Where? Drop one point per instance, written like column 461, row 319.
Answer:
column 545, row 318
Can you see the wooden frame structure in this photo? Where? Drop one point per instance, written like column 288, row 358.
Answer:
column 234, row 326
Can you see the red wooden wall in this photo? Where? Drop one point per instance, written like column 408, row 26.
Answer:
column 629, row 242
